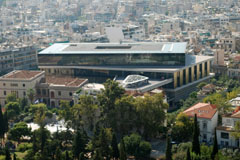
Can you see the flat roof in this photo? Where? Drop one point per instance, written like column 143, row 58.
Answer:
column 116, row 48
column 22, row 74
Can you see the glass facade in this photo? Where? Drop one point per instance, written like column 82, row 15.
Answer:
column 112, row 60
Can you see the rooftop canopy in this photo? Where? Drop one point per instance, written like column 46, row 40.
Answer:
column 115, row 48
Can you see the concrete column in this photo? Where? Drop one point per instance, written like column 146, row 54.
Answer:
column 208, row 68
column 181, row 77
column 175, row 79
column 193, row 74
column 203, row 69
column 198, row 71
column 187, row 75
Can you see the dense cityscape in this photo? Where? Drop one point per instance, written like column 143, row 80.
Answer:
column 119, row 79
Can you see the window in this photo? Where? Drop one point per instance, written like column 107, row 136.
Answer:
column 59, row 93
column 44, row 92
column 38, row 92
column 204, row 125
column 4, row 84
column 224, row 135
column 5, row 93
column 14, row 85
column 24, row 93
column 70, row 93
column 228, row 121
column 23, row 85
column 204, row 136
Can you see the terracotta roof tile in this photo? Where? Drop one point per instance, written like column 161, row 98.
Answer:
column 21, row 74
column 224, row 128
column 66, row 81
column 236, row 115
column 203, row 110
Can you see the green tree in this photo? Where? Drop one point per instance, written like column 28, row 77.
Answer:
column 39, row 111
column 144, row 150
column 168, row 152
column 135, row 146
column 98, row 155
column 182, row 129
column 114, row 146
column 7, row 154
column 58, row 154
column 107, row 99
column 86, row 111
column 65, row 111
column 236, row 133
column 11, row 98
column 2, row 132
column 34, row 143
column 18, row 131
column 79, row 143
column 151, row 112
column 82, row 157
column 23, row 103
column 122, row 151
column 5, row 121
column 14, row 157
column 201, row 85
column 188, row 157
column 215, row 146
column 219, row 100
column 13, row 110
column 195, row 143
column 124, row 116
column 105, row 138
column 67, row 155
column 31, row 95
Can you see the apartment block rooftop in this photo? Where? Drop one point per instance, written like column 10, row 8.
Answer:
column 115, row 48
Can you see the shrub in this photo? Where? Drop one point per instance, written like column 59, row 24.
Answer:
column 24, row 146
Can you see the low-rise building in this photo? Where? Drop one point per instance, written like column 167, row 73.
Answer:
column 18, row 82
column 224, row 137
column 235, row 101
column 49, row 89
column 92, row 89
column 207, row 115
column 54, row 89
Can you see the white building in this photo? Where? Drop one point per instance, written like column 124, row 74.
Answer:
column 224, row 137
column 235, row 101
column 207, row 115
column 89, row 89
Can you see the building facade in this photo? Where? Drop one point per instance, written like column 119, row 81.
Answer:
column 224, row 132
column 158, row 61
column 207, row 116
column 53, row 89
column 18, row 82
column 20, row 58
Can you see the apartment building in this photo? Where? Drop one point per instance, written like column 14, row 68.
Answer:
column 17, row 58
